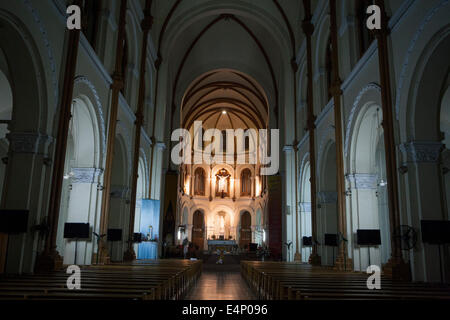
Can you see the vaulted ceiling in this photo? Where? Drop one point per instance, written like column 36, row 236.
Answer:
column 225, row 99
column 256, row 38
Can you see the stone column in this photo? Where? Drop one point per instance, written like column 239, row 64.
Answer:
column 422, row 179
column 25, row 187
column 146, row 25
column 328, row 204
column 308, row 29
column 116, row 86
column 50, row 259
column 363, row 188
column 82, row 208
column 396, row 267
column 342, row 261
column 305, row 211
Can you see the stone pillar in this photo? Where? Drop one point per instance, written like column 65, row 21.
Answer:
column 342, row 261
column 146, row 25
column 305, row 213
column 396, row 267
column 291, row 183
column 364, row 211
column 116, row 86
column 308, row 29
column 422, row 161
column 50, row 259
column 328, row 204
column 82, row 208
column 24, row 189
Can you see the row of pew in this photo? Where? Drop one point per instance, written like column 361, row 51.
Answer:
column 293, row 281
column 144, row 280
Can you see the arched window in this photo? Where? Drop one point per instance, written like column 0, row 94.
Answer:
column 199, row 188
column 246, row 183
column 91, row 15
column 365, row 37
column 329, row 67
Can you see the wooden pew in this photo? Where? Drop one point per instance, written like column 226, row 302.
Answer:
column 143, row 280
column 277, row 280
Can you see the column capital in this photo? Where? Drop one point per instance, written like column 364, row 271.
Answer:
column 421, row 151
column 288, row 149
column 85, row 175
column 363, row 181
column 29, row 142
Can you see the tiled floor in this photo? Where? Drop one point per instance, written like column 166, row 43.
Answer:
column 220, row 285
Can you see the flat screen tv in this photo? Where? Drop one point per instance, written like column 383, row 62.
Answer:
column 14, row 221
column 368, row 237
column 76, row 231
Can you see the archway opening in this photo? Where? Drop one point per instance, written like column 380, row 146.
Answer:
column 327, row 196
column 305, row 210
column 80, row 181
column 198, row 230
column 246, row 231
column 369, row 199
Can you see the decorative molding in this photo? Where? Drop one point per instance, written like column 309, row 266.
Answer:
column 411, row 49
column 288, row 149
column 50, row 55
column 327, row 197
column 29, row 142
column 421, row 151
column 85, row 175
column 363, row 181
column 357, row 107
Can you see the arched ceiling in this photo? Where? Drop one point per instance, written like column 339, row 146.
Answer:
column 259, row 38
column 225, row 99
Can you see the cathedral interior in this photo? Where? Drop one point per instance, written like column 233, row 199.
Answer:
column 282, row 145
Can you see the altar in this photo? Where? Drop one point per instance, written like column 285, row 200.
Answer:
column 226, row 245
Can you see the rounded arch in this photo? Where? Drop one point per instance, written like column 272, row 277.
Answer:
column 25, row 70
column 430, row 77
column 84, row 87
column 418, row 45
column 369, row 94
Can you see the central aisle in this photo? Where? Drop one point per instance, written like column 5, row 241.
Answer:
column 221, row 282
